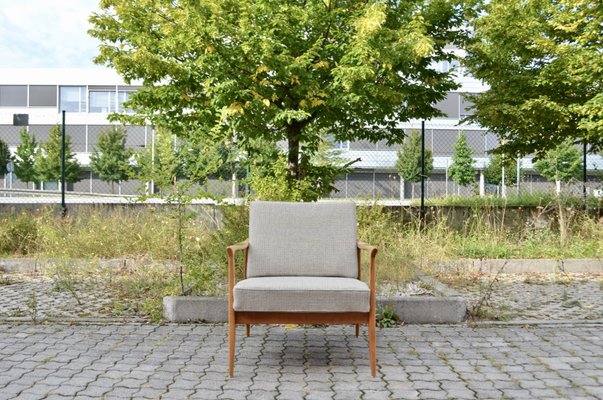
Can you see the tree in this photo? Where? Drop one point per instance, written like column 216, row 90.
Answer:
column 561, row 164
column 281, row 71
column 493, row 172
column 161, row 165
column 48, row 159
column 5, row 157
column 25, row 158
column 110, row 160
column 408, row 164
column 462, row 170
column 541, row 60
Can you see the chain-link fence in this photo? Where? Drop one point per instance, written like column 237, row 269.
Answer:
column 373, row 176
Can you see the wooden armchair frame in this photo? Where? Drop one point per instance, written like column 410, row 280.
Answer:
column 252, row 317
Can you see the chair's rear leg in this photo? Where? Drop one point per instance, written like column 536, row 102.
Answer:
column 231, row 344
column 247, row 329
column 357, row 330
column 372, row 346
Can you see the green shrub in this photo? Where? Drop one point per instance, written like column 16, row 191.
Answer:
column 386, row 317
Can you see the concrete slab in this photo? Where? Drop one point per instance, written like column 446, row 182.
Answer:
column 427, row 310
column 195, row 308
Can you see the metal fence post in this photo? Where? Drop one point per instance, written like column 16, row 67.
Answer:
column 63, row 205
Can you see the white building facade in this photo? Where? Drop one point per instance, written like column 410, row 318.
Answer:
column 35, row 98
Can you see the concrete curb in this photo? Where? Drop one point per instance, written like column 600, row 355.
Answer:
column 541, row 265
column 411, row 310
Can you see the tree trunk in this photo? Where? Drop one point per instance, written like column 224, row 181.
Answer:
column 293, row 134
column 112, row 187
column 558, row 187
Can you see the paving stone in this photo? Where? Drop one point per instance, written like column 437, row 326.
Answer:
column 178, row 370
column 148, row 393
column 348, row 395
column 377, row 395
column 319, row 395
column 234, row 394
column 433, row 394
column 67, row 390
column 206, row 394
column 290, row 395
column 262, row 395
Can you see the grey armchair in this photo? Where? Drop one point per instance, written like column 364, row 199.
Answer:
column 302, row 266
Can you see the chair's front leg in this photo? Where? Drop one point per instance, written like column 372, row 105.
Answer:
column 232, row 326
column 232, row 317
column 372, row 315
column 373, row 307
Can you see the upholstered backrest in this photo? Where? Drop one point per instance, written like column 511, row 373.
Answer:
column 302, row 239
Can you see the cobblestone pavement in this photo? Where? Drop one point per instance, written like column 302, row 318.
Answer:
column 567, row 296
column 570, row 296
column 34, row 296
column 190, row 361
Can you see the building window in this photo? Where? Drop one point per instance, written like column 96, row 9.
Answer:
column 122, row 97
column 13, row 96
column 342, row 145
column 102, row 101
column 72, row 98
column 42, row 96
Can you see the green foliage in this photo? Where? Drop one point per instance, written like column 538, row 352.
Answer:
column 188, row 162
column 5, row 157
column 25, row 157
column 462, row 170
column 161, row 165
column 525, row 199
column 280, row 71
column 201, row 159
column 274, row 183
column 48, row 159
column 541, row 61
column 563, row 163
column 408, row 163
column 386, row 317
column 110, row 160
column 269, row 180
column 493, row 172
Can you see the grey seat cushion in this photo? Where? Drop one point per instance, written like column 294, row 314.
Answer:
column 297, row 239
column 301, row 294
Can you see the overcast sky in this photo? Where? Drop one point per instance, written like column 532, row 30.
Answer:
column 46, row 34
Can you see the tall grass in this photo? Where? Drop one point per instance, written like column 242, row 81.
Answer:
column 406, row 246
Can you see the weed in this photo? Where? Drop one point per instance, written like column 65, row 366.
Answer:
column 48, row 359
column 479, row 310
column 565, row 296
column 6, row 280
column 64, row 275
column 32, row 306
column 386, row 317
column 572, row 304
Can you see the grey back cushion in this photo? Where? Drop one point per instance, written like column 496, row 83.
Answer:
column 302, row 239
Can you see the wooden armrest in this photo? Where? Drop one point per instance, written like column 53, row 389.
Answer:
column 372, row 279
column 365, row 246
column 238, row 246
column 230, row 250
